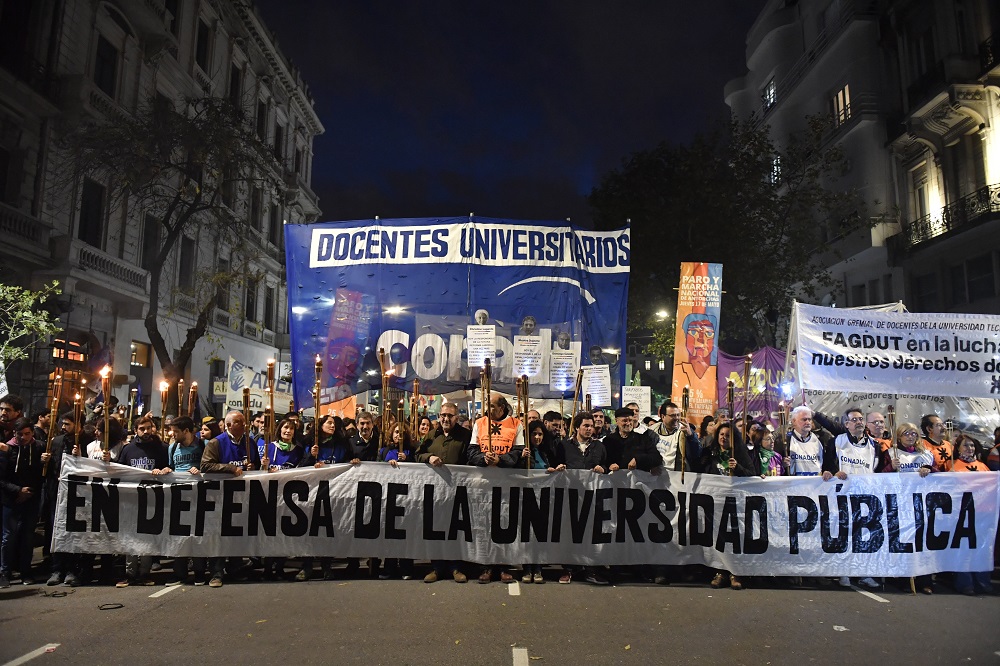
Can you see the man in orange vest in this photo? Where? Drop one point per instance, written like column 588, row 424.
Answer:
column 497, row 441
column 934, row 441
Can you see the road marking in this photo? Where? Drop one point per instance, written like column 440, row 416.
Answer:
column 52, row 646
column 520, row 656
column 164, row 591
column 514, row 589
column 869, row 595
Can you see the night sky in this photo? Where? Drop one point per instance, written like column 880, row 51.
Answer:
column 503, row 109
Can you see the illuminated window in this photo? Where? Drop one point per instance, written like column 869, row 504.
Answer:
column 662, row 365
column 841, row 105
column 71, row 351
column 769, row 94
column 649, row 364
column 142, row 355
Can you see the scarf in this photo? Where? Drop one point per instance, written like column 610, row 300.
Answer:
column 765, row 459
column 284, row 446
column 724, row 455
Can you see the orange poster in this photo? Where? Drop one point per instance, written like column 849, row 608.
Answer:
column 695, row 353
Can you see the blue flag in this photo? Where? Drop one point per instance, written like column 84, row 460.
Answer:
column 538, row 298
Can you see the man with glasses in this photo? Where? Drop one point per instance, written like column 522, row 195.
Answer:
column 857, row 453
column 669, row 431
column 449, row 447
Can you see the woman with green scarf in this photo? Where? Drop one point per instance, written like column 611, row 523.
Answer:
column 719, row 458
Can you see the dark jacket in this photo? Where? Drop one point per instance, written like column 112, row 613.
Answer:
column 331, row 450
column 747, row 462
column 621, row 451
column 452, row 448
column 568, row 453
column 362, row 450
column 21, row 467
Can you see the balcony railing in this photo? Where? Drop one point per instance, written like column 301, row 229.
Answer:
column 251, row 330
column 15, row 224
column 989, row 53
column 121, row 271
column 967, row 211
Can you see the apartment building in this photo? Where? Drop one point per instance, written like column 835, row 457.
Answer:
column 64, row 62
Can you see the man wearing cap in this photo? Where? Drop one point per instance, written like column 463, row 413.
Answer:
column 627, row 449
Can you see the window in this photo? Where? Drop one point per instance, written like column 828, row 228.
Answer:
column 262, row 120
column 91, row 229
column 279, row 139
column 887, row 295
column 661, row 364
column 269, row 308
column 202, row 47
column 858, row 295
column 649, row 364
column 297, row 163
column 922, row 53
column 979, row 278
column 173, row 15
column 68, row 351
column 218, row 369
column 142, row 355
column 106, row 66
column 185, row 273
column 775, row 176
column 150, row 247
column 222, row 288
column 250, row 302
column 872, row 291
column 255, row 202
column 5, row 172
column 925, row 292
column 274, row 227
column 228, row 186
column 236, row 87
column 769, row 94
column 957, row 275
column 842, row 106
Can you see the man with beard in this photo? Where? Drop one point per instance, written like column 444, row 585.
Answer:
column 11, row 409
column 146, row 451
column 65, row 566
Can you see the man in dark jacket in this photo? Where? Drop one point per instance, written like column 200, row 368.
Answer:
column 365, row 442
column 449, row 447
column 65, row 566
column 21, row 494
column 582, row 451
column 628, row 449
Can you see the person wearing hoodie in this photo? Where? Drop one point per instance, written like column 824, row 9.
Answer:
column 21, row 492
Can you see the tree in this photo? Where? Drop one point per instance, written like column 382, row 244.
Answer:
column 23, row 320
column 730, row 197
column 188, row 168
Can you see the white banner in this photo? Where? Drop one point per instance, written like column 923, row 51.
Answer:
column 642, row 396
column 876, row 525
column 941, row 354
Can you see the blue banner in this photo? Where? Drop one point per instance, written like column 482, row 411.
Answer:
column 552, row 297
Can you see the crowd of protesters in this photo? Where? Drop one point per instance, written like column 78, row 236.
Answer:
column 815, row 445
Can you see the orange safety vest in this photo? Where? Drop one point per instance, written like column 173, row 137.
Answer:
column 960, row 465
column 504, row 433
column 942, row 454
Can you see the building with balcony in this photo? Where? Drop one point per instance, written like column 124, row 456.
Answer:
column 911, row 88
column 65, row 62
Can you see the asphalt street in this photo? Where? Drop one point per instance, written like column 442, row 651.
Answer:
column 410, row 622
